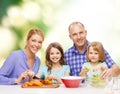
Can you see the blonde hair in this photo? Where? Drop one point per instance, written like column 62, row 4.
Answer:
column 97, row 46
column 35, row 31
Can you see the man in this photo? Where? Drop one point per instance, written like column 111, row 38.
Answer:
column 76, row 55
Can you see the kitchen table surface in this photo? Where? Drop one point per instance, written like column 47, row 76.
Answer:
column 17, row 89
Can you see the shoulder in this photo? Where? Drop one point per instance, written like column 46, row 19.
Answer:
column 14, row 57
column 37, row 58
column 69, row 50
column 66, row 66
column 107, row 55
column 44, row 67
column 87, row 64
column 16, row 53
column 102, row 63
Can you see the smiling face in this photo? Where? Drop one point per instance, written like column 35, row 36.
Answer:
column 93, row 55
column 95, row 52
column 78, row 34
column 55, row 55
column 34, row 43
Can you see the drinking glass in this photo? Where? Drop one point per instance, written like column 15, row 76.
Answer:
column 115, row 83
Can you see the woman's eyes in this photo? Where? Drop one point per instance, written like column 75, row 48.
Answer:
column 36, row 41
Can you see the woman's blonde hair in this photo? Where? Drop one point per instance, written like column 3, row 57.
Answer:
column 35, row 31
column 97, row 46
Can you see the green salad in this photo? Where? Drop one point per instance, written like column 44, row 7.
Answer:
column 97, row 81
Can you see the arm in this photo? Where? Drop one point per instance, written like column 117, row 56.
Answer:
column 14, row 69
column 116, row 70
column 6, row 70
column 83, row 72
column 85, row 69
column 103, row 66
column 23, row 76
column 113, row 69
column 67, row 70
column 53, row 77
column 109, row 61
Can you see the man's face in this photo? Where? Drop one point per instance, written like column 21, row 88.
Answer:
column 78, row 35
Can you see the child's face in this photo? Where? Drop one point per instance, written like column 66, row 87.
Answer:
column 93, row 55
column 55, row 55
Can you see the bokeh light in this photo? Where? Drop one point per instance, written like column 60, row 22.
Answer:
column 100, row 17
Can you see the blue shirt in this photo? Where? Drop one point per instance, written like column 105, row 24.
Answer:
column 91, row 73
column 75, row 59
column 60, row 73
column 14, row 65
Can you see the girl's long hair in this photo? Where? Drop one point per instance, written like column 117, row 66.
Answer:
column 48, row 61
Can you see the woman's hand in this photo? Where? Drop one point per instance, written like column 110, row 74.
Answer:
column 24, row 75
column 30, row 73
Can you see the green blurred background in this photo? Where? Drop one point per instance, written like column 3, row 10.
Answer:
column 100, row 17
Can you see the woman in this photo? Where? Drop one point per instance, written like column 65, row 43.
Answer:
column 22, row 65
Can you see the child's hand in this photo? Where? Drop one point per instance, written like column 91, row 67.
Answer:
column 51, row 76
column 84, row 71
column 87, row 68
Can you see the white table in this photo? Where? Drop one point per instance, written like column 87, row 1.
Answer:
column 16, row 89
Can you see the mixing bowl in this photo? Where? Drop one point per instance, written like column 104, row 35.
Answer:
column 72, row 81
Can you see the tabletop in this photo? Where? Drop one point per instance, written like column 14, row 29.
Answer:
column 17, row 89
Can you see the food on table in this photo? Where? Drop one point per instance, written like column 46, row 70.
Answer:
column 33, row 83
column 38, row 83
column 47, row 81
column 97, row 81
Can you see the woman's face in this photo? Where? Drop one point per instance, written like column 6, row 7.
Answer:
column 55, row 55
column 93, row 55
column 34, row 43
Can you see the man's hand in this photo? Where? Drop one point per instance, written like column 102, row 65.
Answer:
column 113, row 71
column 106, row 73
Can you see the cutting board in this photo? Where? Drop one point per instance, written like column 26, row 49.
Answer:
column 44, row 86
